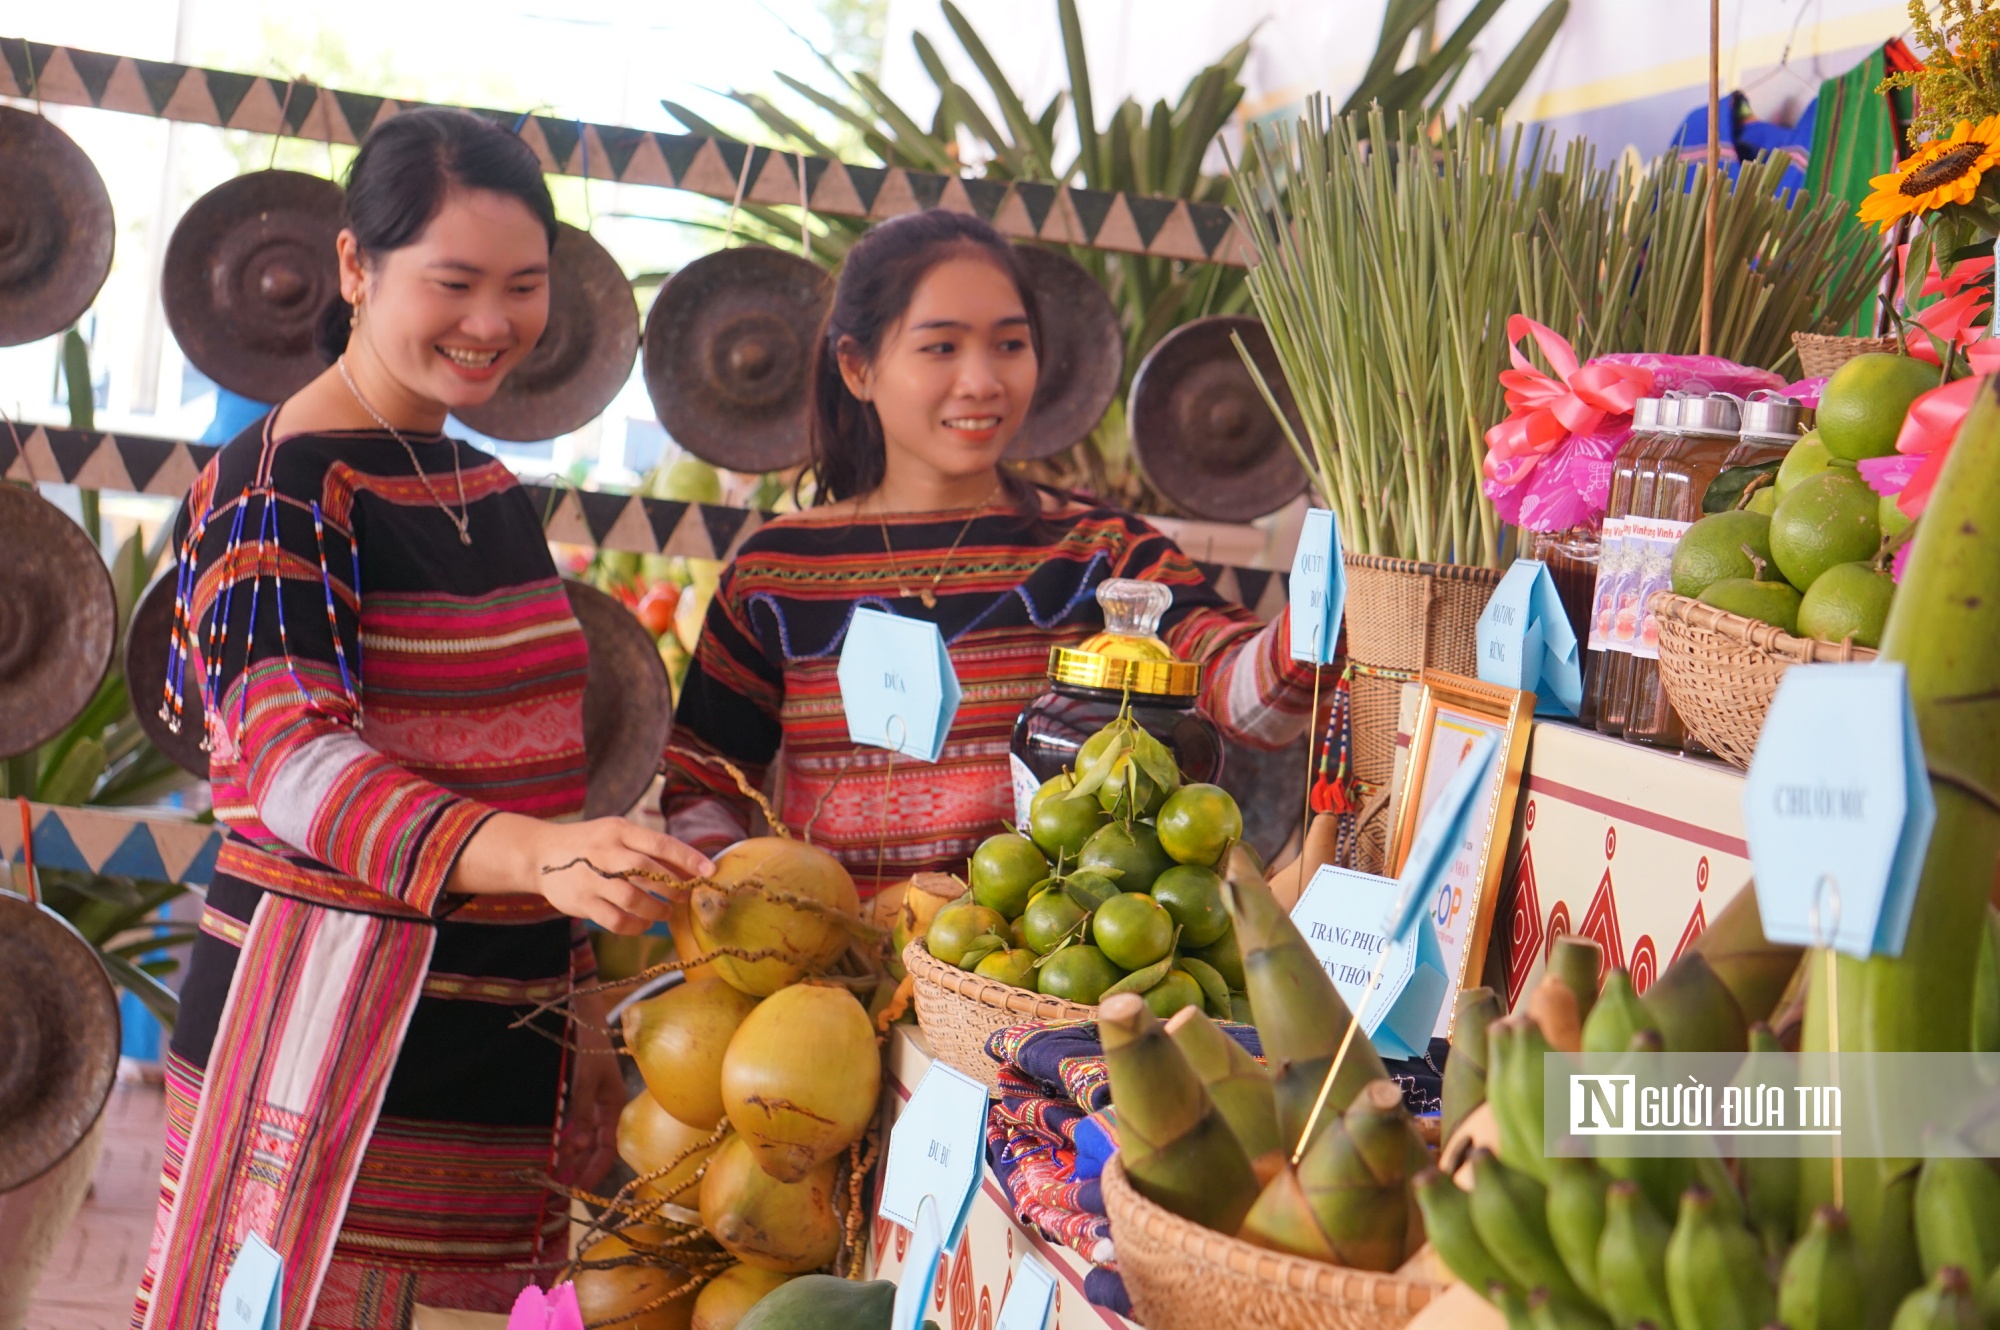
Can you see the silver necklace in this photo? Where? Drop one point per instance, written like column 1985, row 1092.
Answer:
column 459, row 519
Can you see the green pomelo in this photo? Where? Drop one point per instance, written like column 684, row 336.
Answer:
column 1715, row 548
column 1177, row 990
column 1133, row 930
column 958, row 926
column 1197, row 823
column 1016, row 967
column 1775, row 603
column 1078, row 974
column 1049, row 918
column 1890, row 516
column 1005, row 871
column 1132, row 854
column 1825, row 520
column 1849, row 600
column 1764, row 501
column 1861, row 409
column 823, row 1302
column 1807, row 457
column 1061, row 825
column 1193, row 896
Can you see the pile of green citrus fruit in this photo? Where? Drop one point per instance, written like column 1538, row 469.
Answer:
column 1812, row 557
column 1112, row 888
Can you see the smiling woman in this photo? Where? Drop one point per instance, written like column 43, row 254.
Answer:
column 402, row 881
column 922, row 374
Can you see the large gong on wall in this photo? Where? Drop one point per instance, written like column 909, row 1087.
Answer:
column 56, row 229
column 728, row 349
column 1082, row 355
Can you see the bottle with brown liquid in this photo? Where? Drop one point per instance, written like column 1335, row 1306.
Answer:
column 1614, row 617
column 1711, row 439
column 1583, row 562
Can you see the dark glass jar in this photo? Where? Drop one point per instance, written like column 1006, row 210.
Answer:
column 1607, row 689
column 1090, row 683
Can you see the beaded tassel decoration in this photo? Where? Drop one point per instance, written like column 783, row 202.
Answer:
column 1333, row 789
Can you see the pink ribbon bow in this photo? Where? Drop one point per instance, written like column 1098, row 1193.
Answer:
column 1951, row 320
column 1545, row 410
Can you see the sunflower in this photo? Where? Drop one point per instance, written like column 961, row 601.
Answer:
column 1943, row 172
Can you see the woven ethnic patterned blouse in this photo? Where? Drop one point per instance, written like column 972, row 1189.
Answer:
column 344, row 1081
column 762, row 681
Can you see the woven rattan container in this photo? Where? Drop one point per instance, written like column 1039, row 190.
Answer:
column 1820, row 354
column 1185, row 1277
column 1722, row 670
column 1403, row 618
column 958, row 1010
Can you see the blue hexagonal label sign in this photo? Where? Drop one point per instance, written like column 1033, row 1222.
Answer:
column 897, row 684
column 1838, row 809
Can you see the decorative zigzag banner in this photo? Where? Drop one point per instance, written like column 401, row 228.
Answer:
column 116, row 843
column 716, row 167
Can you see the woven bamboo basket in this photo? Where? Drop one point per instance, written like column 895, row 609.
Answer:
column 1721, row 670
column 958, row 1010
column 1403, row 617
column 1820, row 354
column 1185, row 1277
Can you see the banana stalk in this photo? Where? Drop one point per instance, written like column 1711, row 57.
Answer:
column 1944, row 625
column 1632, row 1260
column 1352, row 1186
column 1236, row 1081
column 1465, row 1069
column 1176, row 1146
column 1715, row 1270
column 1300, row 1015
column 1821, row 1288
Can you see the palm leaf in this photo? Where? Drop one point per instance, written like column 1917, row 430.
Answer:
column 158, row 998
column 1094, row 168
column 1512, row 75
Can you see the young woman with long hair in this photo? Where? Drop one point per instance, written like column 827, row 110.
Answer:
column 394, row 685
column 921, row 377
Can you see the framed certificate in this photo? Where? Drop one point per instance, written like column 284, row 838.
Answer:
column 1452, row 713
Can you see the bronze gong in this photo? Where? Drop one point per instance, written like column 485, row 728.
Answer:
column 585, row 355
column 56, row 229
column 58, row 620
column 728, row 348
column 250, row 268
column 1082, row 355
column 148, row 639
column 58, row 1040
column 628, row 706
column 1201, row 430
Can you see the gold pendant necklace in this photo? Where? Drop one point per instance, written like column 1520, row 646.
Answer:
column 928, row 595
column 459, row 519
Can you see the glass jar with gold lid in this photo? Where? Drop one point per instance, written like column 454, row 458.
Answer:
column 1091, row 681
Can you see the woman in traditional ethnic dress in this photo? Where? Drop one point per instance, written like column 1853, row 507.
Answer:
column 394, row 687
column 921, row 376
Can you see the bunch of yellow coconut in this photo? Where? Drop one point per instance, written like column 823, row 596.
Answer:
column 762, row 1074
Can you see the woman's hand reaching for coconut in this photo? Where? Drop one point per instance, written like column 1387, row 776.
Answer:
column 594, row 870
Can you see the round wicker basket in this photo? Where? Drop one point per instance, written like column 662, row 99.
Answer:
column 1185, row 1277
column 958, row 1010
column 1721, row 670
column 1820, row 354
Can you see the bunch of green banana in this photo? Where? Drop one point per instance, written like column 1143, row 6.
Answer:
column 1715, row 1270
column 1770, row 1183
column 1546, row 1311
column 1349, row 1200
column 1958, row 1217
column 1465, row 1069
column 1447, row 1211
column 1176, row 1146
column 1236, row 1081
column 1300, row 1016
column 1616, row 1017
column 1515, row 1047
column 1632, row 1260
column 1946, row 1303
column 1578, row 962
column 1945, row 628
column 1510, row 1215
column 1821, row 1286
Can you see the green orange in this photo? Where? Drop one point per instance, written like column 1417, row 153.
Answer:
column 1062, row 823
column 1077, row 974
column 1049, row 918
column 1172, row 993
column 1193, row 896
column 958, row 926
column 1005, row 871
column 1016, row 967
column 1198, row 822
column 1130, row 856
column 1133, row 930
